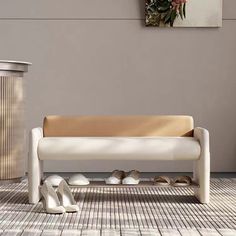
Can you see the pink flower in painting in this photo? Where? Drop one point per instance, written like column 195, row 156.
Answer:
column 176, row 3
column 179, row 1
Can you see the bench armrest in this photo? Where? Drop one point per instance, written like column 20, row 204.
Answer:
column 202, row 135
column 35, row 135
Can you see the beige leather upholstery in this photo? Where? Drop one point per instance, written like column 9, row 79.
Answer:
column 119, row 148
column 114, row 126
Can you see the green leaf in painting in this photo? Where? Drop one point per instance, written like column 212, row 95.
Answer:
column 158, row 20
column 167, row 18
column 163, row 5
column 184, row 10
column 172, row 17
column 181, row 11
column 163, row 15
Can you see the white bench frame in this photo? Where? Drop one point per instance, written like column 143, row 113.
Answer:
column 201, row 170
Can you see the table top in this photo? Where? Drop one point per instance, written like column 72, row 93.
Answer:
column 14, row 66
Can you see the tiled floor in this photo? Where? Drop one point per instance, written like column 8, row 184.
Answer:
column 124, row 211
column 122, row 232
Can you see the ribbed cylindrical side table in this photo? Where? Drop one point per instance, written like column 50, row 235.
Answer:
column 12, row 140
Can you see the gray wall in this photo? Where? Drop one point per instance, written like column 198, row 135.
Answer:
column 96, row 57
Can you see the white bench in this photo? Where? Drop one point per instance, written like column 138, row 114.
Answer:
column 119, row 138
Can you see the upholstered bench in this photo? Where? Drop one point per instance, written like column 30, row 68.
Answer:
column 119, row 138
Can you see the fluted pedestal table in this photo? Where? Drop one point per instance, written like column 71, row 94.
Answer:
column 12, row 130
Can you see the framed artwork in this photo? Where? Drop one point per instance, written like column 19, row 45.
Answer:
column 183, row 13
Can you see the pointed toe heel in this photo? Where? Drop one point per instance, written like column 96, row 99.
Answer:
column 50, row 200
column 66, row 198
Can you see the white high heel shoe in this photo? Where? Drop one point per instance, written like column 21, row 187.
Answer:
column 66, row 198
column 50, row 199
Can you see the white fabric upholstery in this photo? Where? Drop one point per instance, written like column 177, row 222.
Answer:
column 110, row 148
column 134, row 148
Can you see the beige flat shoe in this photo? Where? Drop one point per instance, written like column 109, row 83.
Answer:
column 162, row 180
column 182, row 181
column 132, row 178
column 78, row 180
column 54, row 180
column 116, row 177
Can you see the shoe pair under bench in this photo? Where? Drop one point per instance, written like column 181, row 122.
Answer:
column 120, row 177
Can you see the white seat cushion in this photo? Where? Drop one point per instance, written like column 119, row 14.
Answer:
column 118, row 148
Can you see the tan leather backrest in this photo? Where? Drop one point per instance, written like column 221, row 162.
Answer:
column 113, row 126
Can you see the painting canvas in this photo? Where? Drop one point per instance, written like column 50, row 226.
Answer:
column 183, row 13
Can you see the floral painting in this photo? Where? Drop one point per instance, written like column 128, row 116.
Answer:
column 164, row 11
column 183, row 13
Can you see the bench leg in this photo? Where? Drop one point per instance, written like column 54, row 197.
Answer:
column 201, row 175
column 35, row 174
column 35, row 167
